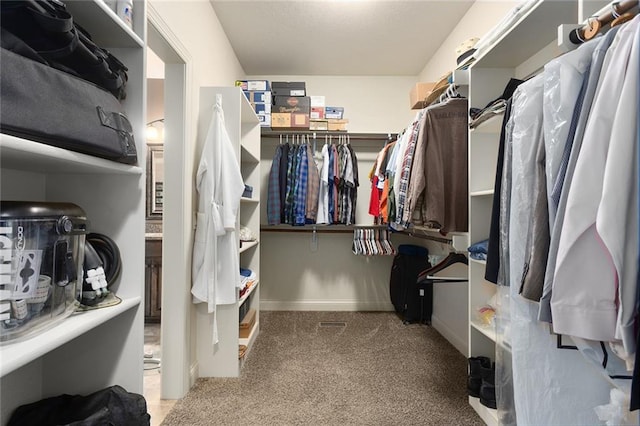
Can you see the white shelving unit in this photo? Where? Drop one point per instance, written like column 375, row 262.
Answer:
column 92, row 350
column 526, row 47
column 244, row 130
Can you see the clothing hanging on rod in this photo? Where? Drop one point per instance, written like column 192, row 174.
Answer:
column 299, row 194
column 433, row 150
column 570, row 152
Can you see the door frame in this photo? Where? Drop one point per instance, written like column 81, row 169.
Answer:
column 177, row 373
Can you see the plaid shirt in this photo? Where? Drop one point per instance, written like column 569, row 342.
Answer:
column 273, row 194
column 403, row 183
column 291, row 173
column 332, row 187
column 300, row 194
column 313, row 188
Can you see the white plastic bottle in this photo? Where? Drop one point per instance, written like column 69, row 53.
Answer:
column 125, row 11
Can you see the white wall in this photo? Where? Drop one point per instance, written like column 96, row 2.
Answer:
column 479, row 19
column 378, row 104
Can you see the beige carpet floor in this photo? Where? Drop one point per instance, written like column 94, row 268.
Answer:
column 372, row 371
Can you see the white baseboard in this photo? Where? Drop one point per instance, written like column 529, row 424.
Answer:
column 460, row 344
column 324, row 305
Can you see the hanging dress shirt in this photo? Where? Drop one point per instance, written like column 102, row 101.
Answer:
column 323, row 196
column 313, row 185
column 215, row 252
column 273, row 191
column 562, row 184
column 583, row 301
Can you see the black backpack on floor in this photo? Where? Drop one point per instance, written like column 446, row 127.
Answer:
column 413, row 301
column 111, row 406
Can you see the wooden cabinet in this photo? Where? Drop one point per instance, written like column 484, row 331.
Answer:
column 152, row 280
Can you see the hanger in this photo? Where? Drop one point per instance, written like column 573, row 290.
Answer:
column 451, row 259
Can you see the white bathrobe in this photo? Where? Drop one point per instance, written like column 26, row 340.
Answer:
column 215, row 250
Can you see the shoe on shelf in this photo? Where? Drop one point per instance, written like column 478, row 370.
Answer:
column 488, row 387
column 474, row 381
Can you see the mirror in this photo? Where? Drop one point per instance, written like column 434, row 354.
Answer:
column 155, row 180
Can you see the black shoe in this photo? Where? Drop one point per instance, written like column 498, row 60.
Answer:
column 474, row 380
column 488, row 387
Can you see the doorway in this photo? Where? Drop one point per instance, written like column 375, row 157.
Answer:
column 175, row 301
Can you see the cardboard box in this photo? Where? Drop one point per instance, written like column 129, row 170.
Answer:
column 288, row 120
column 317, row 113
column 337, row 125
column 418, row 93
column 253, row 85
column 288, row 88
column 334, row 112
column 265, row 120
column 247, row 323
column 258, row 96
column 317, row 101
column 320, row 125
column 291, row 104
column 262, row 108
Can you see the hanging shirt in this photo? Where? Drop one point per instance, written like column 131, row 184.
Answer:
column 215, row 250
column 403, row 172
column 589, row 310
column 356, row 183
column 323, row 195
column 313, row 188
column 440, row 168
column 284, row 164
column 300, row 193
column 330, row 184
column 273, row 191
column 560, row 190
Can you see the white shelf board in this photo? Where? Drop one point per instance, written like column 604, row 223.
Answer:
column 488, row 415
column 248, row 293
column 492, row 125
column 461, row 77
column 528, row 35
column 24, row 154
column 249, row 200
column 247, row 245
column 107, row 29
column 482, row 193
column 479, row 262
column 15, row 355
column 247, row 113
column 247, row 156
column 490, row 332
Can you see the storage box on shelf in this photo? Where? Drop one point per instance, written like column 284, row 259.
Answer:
column 517, row 53
column 243, row 128
column 109, row 192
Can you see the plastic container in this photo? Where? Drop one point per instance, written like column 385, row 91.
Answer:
column 41, row 256
column 125, row 11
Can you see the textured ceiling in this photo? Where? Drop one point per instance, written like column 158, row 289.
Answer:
column 347, row 37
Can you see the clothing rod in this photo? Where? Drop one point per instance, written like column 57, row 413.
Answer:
column 333, row 135
column 604, row 16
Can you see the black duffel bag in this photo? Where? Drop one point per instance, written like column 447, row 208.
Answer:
column 111, row 406
column 56, row 108
column 48, row 28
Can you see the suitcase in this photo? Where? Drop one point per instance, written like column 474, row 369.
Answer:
column 412, row 301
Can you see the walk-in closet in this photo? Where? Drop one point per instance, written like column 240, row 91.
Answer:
column 325, row 212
